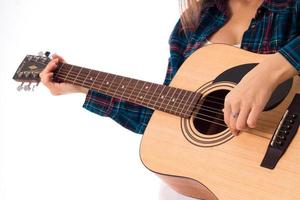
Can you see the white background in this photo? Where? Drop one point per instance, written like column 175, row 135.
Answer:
column 52, row 148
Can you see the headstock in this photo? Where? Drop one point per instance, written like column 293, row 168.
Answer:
column 29, row 70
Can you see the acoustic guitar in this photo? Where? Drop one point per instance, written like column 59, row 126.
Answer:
column 187, row 143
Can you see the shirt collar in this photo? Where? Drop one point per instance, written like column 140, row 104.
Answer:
column 277, row 5
column 273, row 5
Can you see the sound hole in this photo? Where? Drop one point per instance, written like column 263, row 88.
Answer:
column 209, row 119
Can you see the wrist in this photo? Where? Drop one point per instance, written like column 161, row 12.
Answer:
column 81, row 89
column 84, row 90
column 278, row 69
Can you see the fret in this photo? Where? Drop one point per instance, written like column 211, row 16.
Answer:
column 148, row 89
column 110, row 83
column 140, row 96
column 125, row 89
column 69, row 71
column 87, row 77
column 102, row 82
column 158, row 97
column 187, row 102
column 181, row 103
column 74, row 81
column 192, row 103
column 57, row 72
column 136, row 83
column 95, row 79
column 165, row 98
column 171, row 100
column 118, row 87
column 177, row 105
column 153, row 94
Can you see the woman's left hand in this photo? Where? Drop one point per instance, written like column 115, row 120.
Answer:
column 246, row 101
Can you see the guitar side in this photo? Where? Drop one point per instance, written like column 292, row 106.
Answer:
column 229, row 170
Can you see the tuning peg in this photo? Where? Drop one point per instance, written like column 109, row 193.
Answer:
column 27, row 73
column 47, row 54
column 20, row 87
column 20, row 74
column 37, row 84
column 27, row 87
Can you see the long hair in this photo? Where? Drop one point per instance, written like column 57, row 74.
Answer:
column 190, row 13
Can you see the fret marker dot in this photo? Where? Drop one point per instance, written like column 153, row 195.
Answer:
column 146, row 87
column 107, row 83
column 141, row 97
column 173, row 100
column 91, row 79
column 162, row 96
column 123, row 86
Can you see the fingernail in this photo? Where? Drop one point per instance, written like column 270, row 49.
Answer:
column 236, row 132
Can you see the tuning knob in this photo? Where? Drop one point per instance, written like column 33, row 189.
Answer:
column 47, row 54
column 27, row 73
column 20, row 74
column 20, row 87
column 35, row 86
column 27, row 87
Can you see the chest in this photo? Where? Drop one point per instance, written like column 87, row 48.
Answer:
column 261, row 31
column 233, row 30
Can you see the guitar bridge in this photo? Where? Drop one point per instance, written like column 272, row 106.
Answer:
column 283, row 135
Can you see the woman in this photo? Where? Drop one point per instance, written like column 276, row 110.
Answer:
column 260, row 26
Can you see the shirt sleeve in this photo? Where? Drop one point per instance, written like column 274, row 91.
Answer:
column 291, row 51
column 178, row 43
column 132, row 116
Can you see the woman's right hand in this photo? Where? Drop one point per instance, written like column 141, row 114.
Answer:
column 58, row 88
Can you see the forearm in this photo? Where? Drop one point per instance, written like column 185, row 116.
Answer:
column 277, row 69
column 131, row 116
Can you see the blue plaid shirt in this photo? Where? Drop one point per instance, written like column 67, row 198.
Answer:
column 275, row 28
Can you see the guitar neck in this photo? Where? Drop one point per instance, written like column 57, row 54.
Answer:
column 168, row 99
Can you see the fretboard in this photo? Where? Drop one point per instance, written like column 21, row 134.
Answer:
column 168, row 99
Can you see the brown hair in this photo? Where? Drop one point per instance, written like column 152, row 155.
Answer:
column 190, row 13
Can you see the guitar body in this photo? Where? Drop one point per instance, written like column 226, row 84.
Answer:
column 220, row 166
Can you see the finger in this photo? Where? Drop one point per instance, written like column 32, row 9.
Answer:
column 233, row 118
column 60, row 59
column 253, row 116
column 47, row 80
column 52, row 65
column 227, row 111
column 241, row 122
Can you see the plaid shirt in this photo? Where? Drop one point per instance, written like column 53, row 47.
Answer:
column 275, row 28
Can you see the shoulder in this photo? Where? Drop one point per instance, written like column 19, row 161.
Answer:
column 178, row 34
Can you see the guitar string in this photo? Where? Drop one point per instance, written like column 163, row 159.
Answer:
column 171, row 98
column 147, row 93
column 74, row 74
column 70, row 70
column 62, row 69
column 272, row 124
column 90, row 70
column 212, row 122
column 198, row 108
column 221, row 120
column 173, row 94
column 141, row 102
